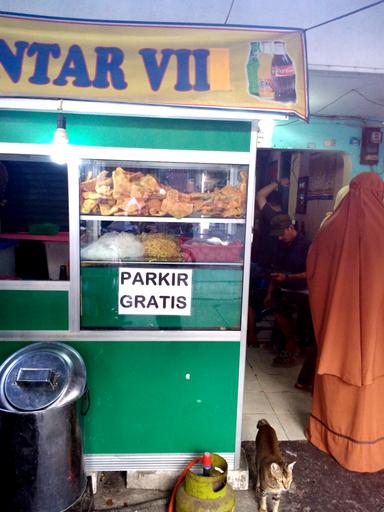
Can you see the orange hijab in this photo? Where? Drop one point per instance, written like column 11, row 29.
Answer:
column 345, row 272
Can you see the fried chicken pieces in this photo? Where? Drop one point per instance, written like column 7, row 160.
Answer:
column 134, row 193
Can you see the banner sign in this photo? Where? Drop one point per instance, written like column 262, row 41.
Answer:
column 220, row 67
column 155, row 292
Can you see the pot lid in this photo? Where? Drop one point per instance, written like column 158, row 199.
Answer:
column 41, row 375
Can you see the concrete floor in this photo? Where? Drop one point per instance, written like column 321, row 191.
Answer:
column 112, row 495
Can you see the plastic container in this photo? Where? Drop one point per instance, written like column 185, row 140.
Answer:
column 45, row 228
column 215, row 253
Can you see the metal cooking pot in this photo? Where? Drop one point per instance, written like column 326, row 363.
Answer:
column 41, row 454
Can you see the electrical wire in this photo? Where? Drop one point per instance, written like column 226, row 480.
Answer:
column 295, row 156
column 368, row 99
column 335, row 100
column 331, row 20
column 346, row 94
column 350, row 13
column 143, row 506
column 358, row 121
column 294, row 121
column 230, row 10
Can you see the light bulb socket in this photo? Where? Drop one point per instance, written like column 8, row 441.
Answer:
column 61, row 121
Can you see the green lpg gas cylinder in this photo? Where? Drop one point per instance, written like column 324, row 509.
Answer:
column 211, row 493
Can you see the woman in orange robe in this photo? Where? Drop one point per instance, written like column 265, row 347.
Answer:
column 345, row 272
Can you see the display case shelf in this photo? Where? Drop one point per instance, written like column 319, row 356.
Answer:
column 184, row 220
column 120, row 263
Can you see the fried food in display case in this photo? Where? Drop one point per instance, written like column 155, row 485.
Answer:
column 161, row 247
column 134, row 193
column 120, row 246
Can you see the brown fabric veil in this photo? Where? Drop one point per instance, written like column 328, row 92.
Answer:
column 346, row 285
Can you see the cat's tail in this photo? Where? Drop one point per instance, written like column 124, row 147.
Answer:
column 262, row 423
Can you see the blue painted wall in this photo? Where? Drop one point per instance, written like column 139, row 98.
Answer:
column 296, row 134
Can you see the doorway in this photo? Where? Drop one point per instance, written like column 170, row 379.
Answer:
column 269, row 392
column 325, row 172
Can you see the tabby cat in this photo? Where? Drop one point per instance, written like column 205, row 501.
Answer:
column 273, row 474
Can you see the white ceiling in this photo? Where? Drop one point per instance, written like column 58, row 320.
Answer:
column 345, row 57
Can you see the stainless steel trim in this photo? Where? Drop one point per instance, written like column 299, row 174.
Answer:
column 246, row 276
column 34, row 285
column 145, row 461
column 123, row 336
column 163, row 263
column 135, row 154
column 123, row 109
column 161, row 155
column 17, row 148
column 74, row 298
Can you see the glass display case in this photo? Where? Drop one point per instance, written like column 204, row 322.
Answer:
column 161, row 245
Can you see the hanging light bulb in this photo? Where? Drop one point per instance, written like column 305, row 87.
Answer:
column 59, row 149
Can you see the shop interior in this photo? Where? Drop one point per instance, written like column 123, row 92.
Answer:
column 314, row 179
column 269, row 392
column 34, row 245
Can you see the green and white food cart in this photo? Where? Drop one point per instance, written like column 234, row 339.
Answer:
column 160, row 212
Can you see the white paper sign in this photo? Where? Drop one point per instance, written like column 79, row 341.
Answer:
column 155, row 291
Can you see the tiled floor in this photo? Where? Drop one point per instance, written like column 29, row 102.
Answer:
column 269, row 393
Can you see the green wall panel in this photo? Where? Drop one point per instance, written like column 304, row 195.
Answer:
column 216, row 301
column 141, row 401
column 27, row 310
column 92, row 130
column 133, row 132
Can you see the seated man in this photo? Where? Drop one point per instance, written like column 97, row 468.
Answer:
column 287, row 291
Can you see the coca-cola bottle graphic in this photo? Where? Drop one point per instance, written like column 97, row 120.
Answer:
column 283, row 74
